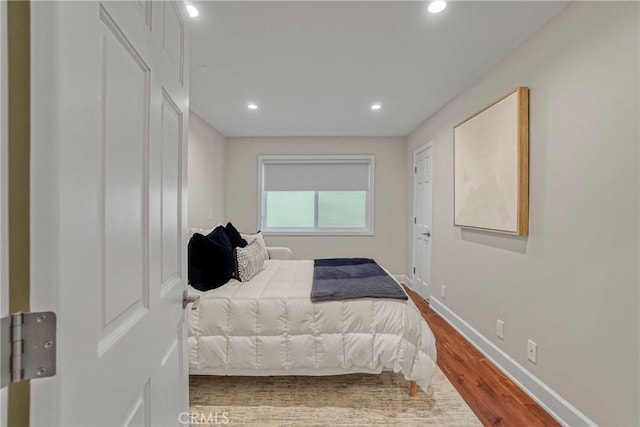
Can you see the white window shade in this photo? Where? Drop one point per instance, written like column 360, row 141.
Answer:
column 316, row 194
column 316, row 176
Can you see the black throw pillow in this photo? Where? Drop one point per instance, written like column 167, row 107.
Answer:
column 234, row 237
column 210, row 260
column 219, row 235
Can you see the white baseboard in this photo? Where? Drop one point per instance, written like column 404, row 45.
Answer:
column 416, row 287
column 552, row 402
column 404, row 279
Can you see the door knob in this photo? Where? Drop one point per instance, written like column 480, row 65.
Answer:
column 188, row 299
column 428, row 234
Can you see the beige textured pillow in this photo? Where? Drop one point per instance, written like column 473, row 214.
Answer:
column 249, row 261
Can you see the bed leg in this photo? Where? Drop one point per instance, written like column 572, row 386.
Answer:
column 413, row 388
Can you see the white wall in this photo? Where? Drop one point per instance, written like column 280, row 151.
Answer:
column 572, row 285
column 206, row 173
column 389, row 244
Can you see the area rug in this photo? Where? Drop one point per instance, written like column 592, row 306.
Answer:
column 344, row 400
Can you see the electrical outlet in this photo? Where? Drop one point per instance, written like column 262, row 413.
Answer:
column 500, row 329
column 442, row 294
column 532, row 351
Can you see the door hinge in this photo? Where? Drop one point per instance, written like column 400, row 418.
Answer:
column 28, row 346
column 415, row 169
column 414, row 270
column 414, row 219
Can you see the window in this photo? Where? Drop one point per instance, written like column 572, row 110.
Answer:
column 316, row 194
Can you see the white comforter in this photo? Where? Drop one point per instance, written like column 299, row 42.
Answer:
column 269, row 326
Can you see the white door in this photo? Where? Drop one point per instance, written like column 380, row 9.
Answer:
column 4, row 283
column 422, row 186
column 109, row 120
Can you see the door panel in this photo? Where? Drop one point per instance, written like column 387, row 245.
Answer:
column 139, row 414
column 172, row 383
column 116, row 134
column 173, row 36
column 422, row 223
column 171, row 184
column 123, row 183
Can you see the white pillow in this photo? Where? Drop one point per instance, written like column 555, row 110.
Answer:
column 260, row 239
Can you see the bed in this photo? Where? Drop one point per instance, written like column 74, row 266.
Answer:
column 269, row 326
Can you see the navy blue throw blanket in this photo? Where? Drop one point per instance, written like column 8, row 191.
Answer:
column 336, row 279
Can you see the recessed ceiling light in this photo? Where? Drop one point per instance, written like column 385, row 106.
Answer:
column 252, row 106
column 437, row 6
column 193, row 12
column 376, row 106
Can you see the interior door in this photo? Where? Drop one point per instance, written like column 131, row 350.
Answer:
column 4, row 283
column 422, row 187
column 109, row 122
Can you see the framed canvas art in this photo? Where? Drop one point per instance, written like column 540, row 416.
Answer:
column 491, row 167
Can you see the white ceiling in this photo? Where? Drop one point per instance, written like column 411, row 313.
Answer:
column 314, row 67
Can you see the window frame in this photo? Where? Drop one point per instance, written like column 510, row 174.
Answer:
column 368, row 230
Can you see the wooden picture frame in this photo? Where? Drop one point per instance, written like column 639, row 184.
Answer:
column 491, row 167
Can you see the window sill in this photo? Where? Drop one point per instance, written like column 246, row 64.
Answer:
column 332, row 232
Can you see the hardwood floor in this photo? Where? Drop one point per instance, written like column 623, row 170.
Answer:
column 492, row 396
